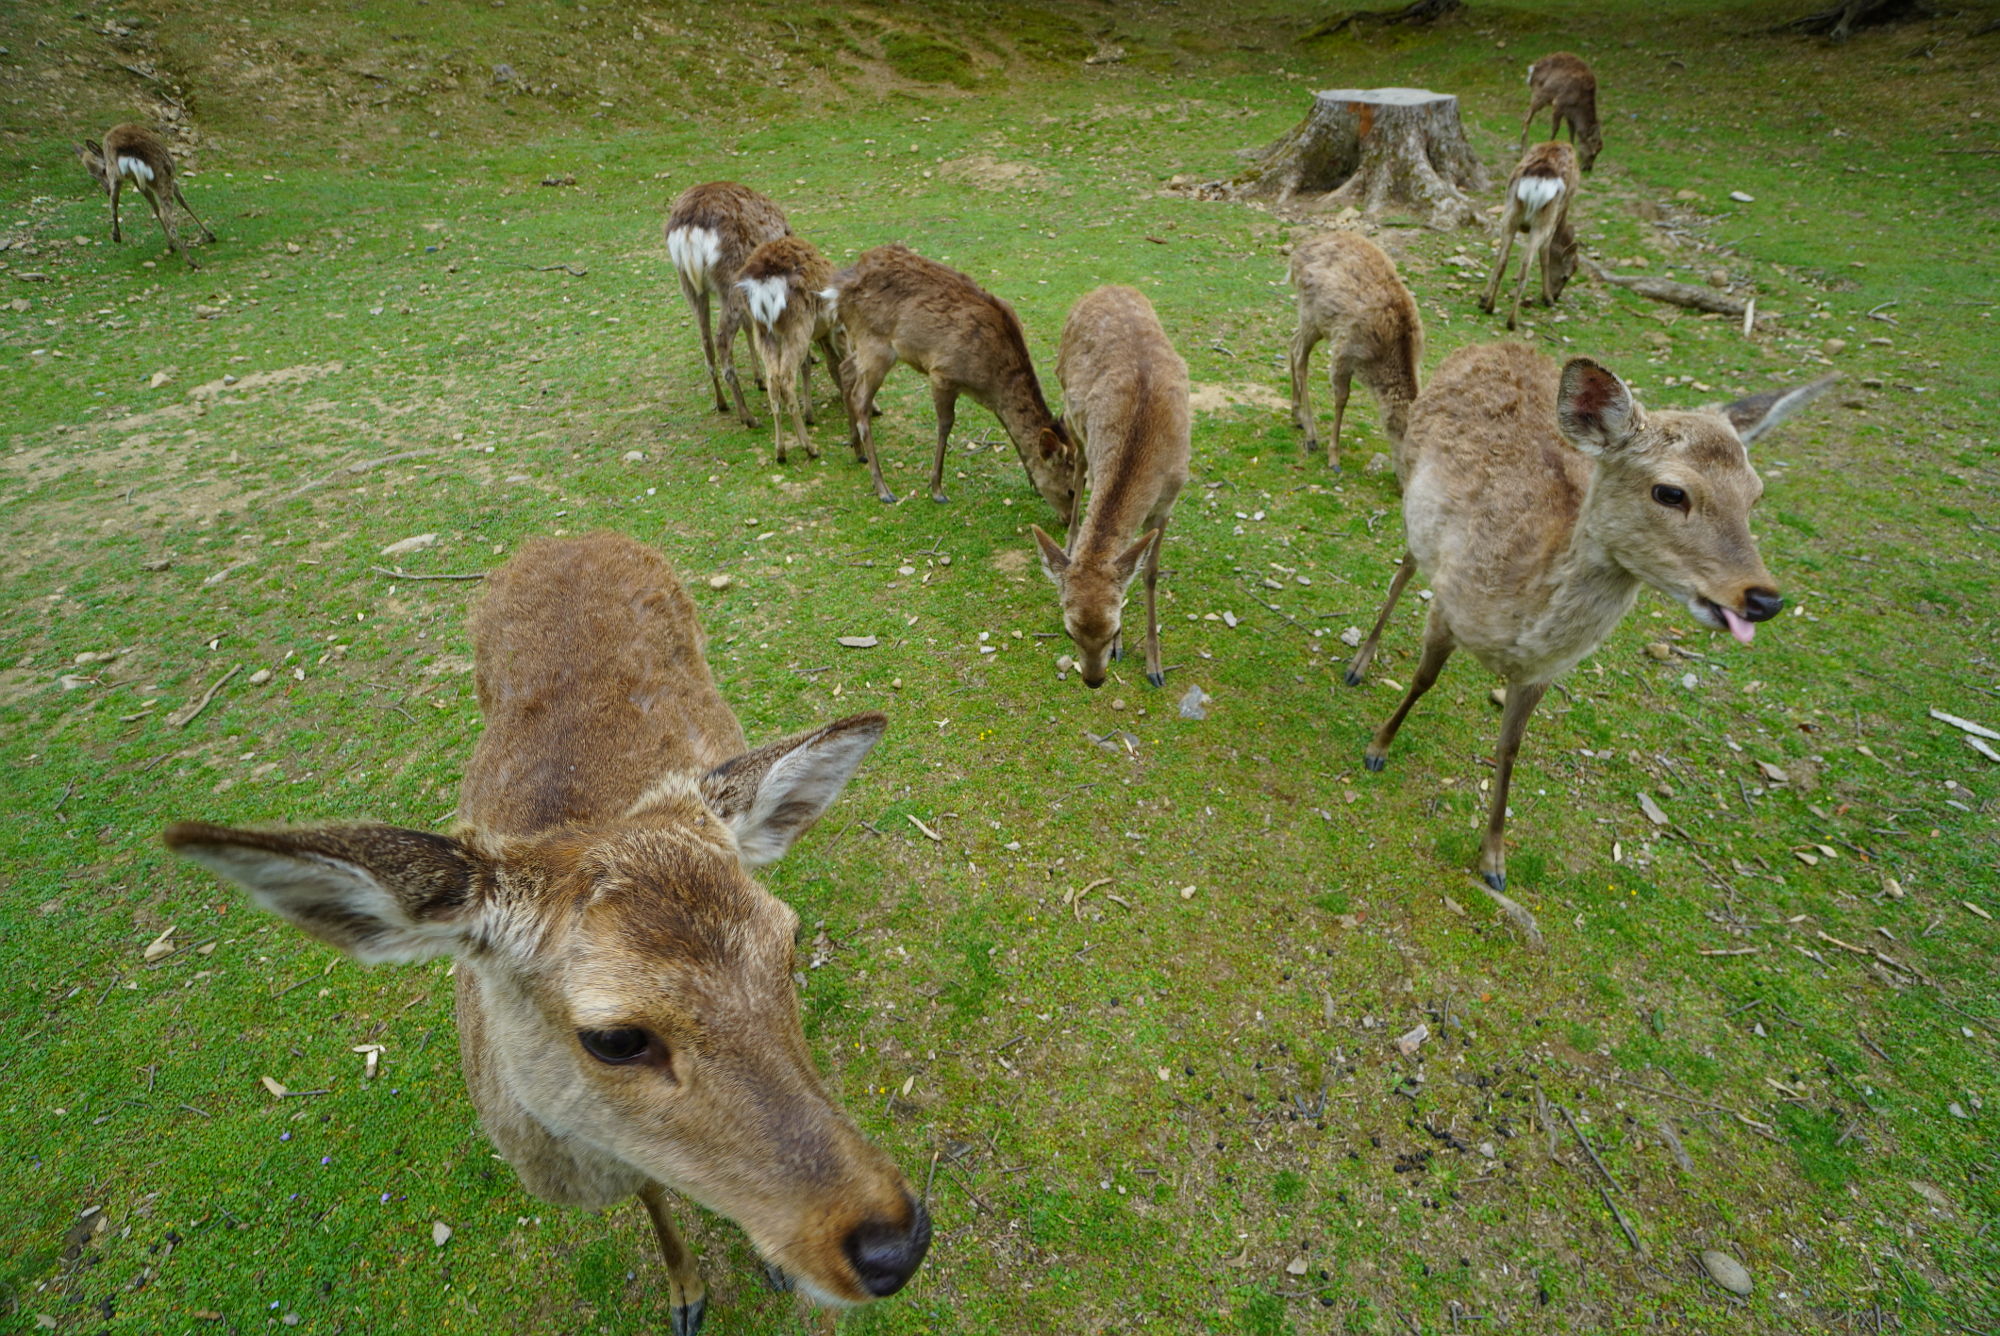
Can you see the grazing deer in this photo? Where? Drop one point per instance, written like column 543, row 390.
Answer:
column 1539, row 194
column 710, row 233
column 1125, row 395
column 893, row 305
column 133, row 154
column 1564, row 82
column 626, row 1012
column 1539, row 499
column 1350, row 295
column 781, row 285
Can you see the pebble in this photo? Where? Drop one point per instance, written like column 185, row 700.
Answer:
column 159, row 378
column 1742, row 197
column 1378, row 463
column 1065, row 663
column 1726, row 1271
column 1660, row 650
column 635, row 456
column 1833, row 347
column 719, row 582
column 260, row 677
column 1718, row 278
column 1118, row 704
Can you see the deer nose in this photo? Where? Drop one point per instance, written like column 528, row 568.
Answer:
column 1094, row 685
column 1761, row 605
column 885, row 1256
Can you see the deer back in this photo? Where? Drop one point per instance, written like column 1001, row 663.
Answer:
column 1565, row 82
column 782, row 281
column 714, row 227
column 1349, row 290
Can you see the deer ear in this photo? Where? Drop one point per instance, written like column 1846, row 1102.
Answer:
column 378, row 893
column 1055, row 561
column 1127, row 565
column 1054, row 439
column 1754, row 416
column 771, row 795
column 1593, row 408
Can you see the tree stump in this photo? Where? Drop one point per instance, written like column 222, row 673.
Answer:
column 1373, row 148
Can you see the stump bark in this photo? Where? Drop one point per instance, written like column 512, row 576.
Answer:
column 1373, row 149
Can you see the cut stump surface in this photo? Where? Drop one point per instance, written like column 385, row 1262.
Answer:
column 1375, row 149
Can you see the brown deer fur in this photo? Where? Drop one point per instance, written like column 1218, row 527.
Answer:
column 780, row 285
column 1350, row 294
column 134, row 155
column 1125, row 396
column 1539, row 195
column 1564, row 82
column 893, row 305
column 602, row 887
column 1539, row 499
column 710, row 233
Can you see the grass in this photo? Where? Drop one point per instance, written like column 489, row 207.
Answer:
column 380, row 288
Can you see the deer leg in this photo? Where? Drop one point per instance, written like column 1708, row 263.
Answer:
column 690, row 1296
column 864, row 377
column 116, row 186
column 1404, row 570
column 1537, row 247
column 798, row 385
column 697, row 300
column 762, row 340
column 1343, row 381
column 1155, row 674
column 180, row 199
column 1438, row 645
column 1522, row 698
column 1507, row 225
column 1302, row 413
column 725, row 354
column 944, row 397
column 173, row 238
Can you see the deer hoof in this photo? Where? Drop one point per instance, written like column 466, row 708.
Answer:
column 886, row 498
column 685, row 1319
column 1494, row 880
column 778, row 1280
column 1374, row 764
column 1353, row 678
column 1156, row 679
column 939, row 496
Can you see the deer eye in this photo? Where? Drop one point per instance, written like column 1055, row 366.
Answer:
column 615, row 1046
column 1670, row 496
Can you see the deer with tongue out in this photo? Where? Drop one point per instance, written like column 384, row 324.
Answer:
column 1539, row 499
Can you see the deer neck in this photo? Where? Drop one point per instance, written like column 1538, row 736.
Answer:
column 1025, row 414
column 1589, row 594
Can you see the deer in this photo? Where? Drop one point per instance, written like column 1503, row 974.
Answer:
column 1350, row 295
column 893, row 305
column 781, row 285
column 711, row 231
column 1125, row 398
column 1539, row 194
column 1564, row 82
column 627, row 1019
column 132, row 154
column 1539, row 499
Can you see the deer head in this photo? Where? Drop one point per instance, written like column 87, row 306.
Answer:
column 91, row 154
column 636, row 989
column 1670, row 500
column 1093, row 598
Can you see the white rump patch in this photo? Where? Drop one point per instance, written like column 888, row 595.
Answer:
column 135, row 169
column 829, row 304
column 766, row 297
column 694, row 251
column 1537, row 191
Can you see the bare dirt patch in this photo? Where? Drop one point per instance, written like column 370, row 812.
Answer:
column 986, row 172
column 1214, row 398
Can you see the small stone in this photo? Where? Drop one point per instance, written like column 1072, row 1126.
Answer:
column 159, row 378
column 1194, row 704
column 1718, row 278
column 1689, row 681
column 859, row 642
column 1660, row 650
column 414, row 543
column 1118, row 704
column 1687, row 194
column 1298, row 1266
column 1064, row 663
column 1378, row 463
column 1834, row 347
column 1725, row 1271
column 1487, row 1149
column 156, row 564
column 906, row 570
column 260, row 677
column 228, row 378
column 634, row 456
column 290, row 1319
column 440, row 1233
column 1957, row 1110
column 1351, row 637
column 1742, row 197
column 720, row 582
column 1499, row 696
column 944, row 561
column 292, row 248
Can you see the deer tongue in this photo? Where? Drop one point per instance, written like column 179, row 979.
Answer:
column 1739, row 628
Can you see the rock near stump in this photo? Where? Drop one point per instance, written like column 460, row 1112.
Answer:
column 1374, row 149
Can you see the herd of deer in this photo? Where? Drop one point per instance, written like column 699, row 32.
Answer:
column 626, row 1007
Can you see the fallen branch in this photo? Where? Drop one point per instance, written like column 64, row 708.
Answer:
column 573, row 271
column 362, row 467
column 184, row 716
column 1677, row 294
column 405, row 575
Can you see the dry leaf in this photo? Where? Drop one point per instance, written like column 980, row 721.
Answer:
column 160, row 946
column 271, row 1084
column 1772, row 773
